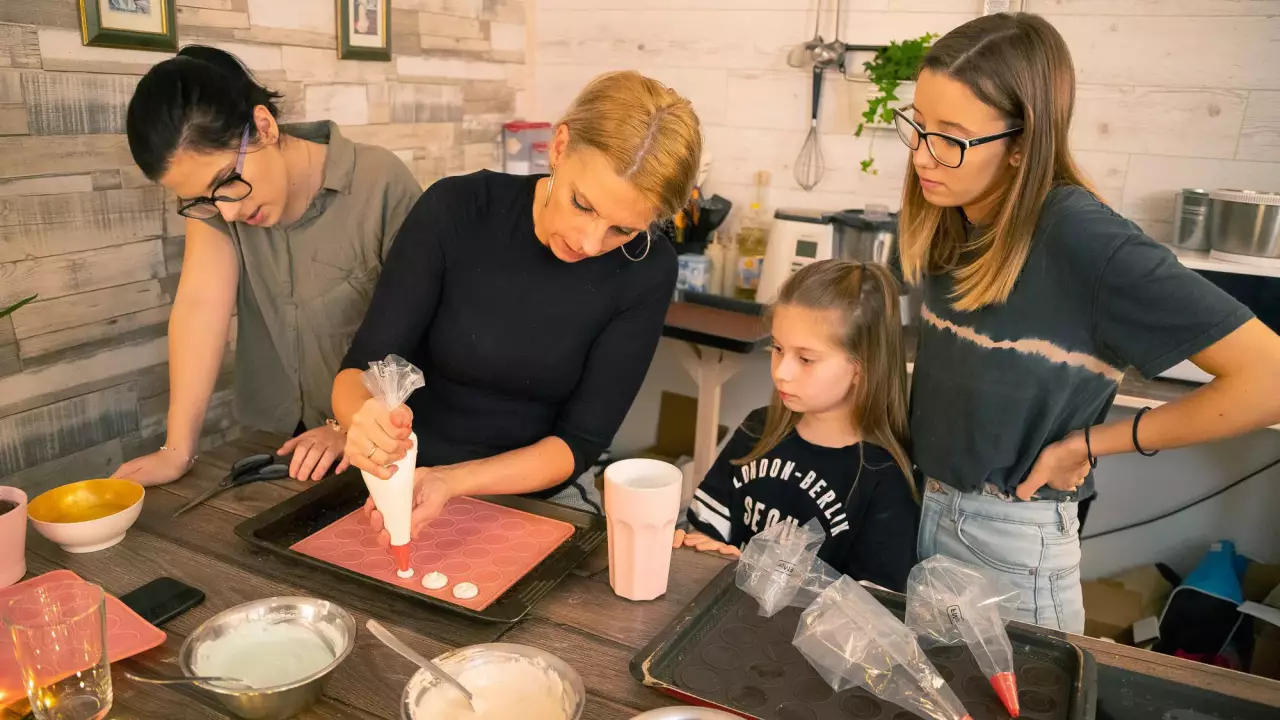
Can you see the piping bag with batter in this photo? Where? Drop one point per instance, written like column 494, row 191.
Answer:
column 392, row 381
column 950, row 602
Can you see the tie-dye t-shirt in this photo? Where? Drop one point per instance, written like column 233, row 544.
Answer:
column 1096, row 298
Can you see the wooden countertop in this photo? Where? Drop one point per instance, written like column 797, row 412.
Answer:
column 581, row 620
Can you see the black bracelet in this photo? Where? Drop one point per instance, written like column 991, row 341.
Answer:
column 1093, row 461
column 1136, row 446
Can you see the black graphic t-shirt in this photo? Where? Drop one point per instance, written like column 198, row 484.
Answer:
column 870, row 524
column 1097, row 297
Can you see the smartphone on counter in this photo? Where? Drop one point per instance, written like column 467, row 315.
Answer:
column 162, row 599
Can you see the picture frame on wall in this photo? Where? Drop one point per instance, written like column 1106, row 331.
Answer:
column 364, row 30
column 131, row 24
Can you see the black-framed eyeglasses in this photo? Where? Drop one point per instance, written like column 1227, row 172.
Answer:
column 233, row 189
column 948, row 150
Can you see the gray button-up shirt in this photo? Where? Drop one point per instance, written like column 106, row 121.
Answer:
column 304, row 287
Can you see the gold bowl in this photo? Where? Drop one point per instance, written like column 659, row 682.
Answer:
column 89, row 515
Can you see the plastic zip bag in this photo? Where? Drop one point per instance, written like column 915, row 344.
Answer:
column 782, row 561
column 950, row 602
column 392, row 380
column 854, row 641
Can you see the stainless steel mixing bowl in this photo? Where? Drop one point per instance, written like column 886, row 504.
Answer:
column 331, row 624
column 455, row 662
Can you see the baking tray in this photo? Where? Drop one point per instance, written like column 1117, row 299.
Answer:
column 720, row 652
column 301, row 516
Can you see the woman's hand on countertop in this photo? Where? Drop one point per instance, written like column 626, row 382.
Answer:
column 314, row 452
column 159, row 468
column 378, row 437
column 1062, row 466
column 430, row 493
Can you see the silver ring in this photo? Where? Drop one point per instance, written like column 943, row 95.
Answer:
column 371, row 452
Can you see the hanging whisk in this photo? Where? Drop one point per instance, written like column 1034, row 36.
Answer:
column 809, row 164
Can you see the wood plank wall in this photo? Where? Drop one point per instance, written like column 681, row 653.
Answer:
column 83, row 371
column 1171, row 93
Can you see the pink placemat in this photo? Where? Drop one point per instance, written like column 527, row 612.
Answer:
column 473, row 541
column 127, row 634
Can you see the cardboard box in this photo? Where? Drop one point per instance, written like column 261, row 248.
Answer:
column 1113, row 605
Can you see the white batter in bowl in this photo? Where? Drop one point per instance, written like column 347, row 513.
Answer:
column 500, row 676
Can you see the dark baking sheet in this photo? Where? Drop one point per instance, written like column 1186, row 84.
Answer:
column 721, row 652
column 301, row 516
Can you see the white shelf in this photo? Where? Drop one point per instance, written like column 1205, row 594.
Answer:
column 1200, row 260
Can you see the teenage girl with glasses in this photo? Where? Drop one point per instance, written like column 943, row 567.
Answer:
column 1038, row 298
column 287, row 226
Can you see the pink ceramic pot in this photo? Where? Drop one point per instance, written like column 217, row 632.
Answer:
column 13, row 537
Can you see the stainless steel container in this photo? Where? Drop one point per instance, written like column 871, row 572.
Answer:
column 864, row 235
column 331, row 624
column 1191, row 208
column 1244, row 225
column 455, row 662
column 685, row 712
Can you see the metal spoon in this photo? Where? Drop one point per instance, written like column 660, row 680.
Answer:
column 802, row 55
column 832, row 54
column 180, row 679
column 392, row 642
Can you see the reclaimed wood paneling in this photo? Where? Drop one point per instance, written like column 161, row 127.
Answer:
column 57, row 13
column 62, row 155
column 9, row 362
column 45, row 434
column 62, row 50
column 10, row 86
column 78, row 207
column 19, row 45
column 431, row 137
column 46, row 316
column 188, row 16
column 458, row 8
column 13, row 119
column 94, row 462
column 48, row 185
column 344, row 104
column 513, row 11
column 21, row 242
column 79, row 272
column 43, row 386
column 76, row 103
column 117, row 329
column 450, row 26
column 422, row 103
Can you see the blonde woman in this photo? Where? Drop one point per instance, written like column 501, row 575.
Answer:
column 532, row 304
column 1038, row 298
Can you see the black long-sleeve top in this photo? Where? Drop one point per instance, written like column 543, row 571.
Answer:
column 515, row 345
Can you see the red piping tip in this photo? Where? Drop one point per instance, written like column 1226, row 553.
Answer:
column 1006, row 687
column 401, row 555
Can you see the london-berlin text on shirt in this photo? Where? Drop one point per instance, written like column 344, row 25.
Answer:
column 787, row 472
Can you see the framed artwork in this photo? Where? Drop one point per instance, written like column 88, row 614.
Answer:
column 364, row 29
column 133, row 24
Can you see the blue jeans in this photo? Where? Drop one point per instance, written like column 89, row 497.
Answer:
column 1033, row 545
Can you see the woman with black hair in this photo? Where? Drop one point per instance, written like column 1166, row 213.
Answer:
column 287, row 226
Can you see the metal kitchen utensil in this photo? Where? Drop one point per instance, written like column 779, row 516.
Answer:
column 801, row 55
column 183, row 679
column 810, row 167
column 394, row 643
column 832, row 53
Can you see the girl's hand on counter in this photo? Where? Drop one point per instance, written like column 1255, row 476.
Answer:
column 314, row 452
column 378, row 437
column 430, row 493
column 702, row 543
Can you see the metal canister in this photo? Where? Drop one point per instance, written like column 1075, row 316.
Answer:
column 1190, row 219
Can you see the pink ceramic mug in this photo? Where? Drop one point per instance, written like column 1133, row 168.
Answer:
column 641, row 504
column 13, row 537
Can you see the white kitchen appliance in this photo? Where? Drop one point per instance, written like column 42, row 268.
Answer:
column 797, row 238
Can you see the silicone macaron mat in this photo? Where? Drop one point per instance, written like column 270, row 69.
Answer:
column 486, row 545
column 723, row 652
column 127, row 634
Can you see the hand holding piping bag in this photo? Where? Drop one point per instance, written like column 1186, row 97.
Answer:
column 391, row 381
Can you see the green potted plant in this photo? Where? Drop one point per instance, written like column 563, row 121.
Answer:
column 14, row 307
column 893, row 65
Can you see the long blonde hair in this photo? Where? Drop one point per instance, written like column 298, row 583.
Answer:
column 1018, row 64
column 866, row 296
column 649, row 133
